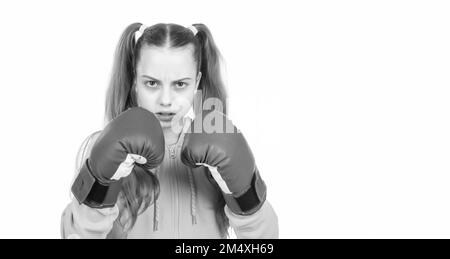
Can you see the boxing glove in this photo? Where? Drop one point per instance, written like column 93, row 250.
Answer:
column 224, row 150
column 132, row 141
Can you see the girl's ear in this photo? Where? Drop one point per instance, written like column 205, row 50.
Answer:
column 134, row 93
column 133, row 86
column 199, row 76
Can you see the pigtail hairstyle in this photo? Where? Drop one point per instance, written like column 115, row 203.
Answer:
column 212, row 86
column 119, row 96
column 140, row 188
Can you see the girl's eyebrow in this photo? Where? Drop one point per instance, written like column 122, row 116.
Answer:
column 157, row 80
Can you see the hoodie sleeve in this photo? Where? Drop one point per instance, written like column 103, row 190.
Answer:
column 79, row 220
column 262, row 224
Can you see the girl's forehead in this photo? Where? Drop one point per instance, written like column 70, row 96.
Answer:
column 157, row 60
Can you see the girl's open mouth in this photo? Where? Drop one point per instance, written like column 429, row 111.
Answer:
column 165, row 116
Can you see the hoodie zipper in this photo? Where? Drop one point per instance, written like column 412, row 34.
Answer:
column 172, row 151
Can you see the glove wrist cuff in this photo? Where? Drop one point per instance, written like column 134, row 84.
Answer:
column 251, row 200
column 89, row 190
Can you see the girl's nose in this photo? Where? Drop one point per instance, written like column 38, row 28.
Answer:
column 165, row 98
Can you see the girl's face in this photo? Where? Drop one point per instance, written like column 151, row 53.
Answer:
column 166, row 81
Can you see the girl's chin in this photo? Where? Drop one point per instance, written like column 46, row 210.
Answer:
column 170, row 124
column 166, row 124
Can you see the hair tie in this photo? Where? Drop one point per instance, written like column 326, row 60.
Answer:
column 193, row 29
column 138, row 33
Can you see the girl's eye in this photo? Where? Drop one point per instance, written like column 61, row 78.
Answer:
column 151, row 84
column 181, row 84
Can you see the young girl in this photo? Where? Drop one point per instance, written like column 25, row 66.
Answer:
column 162, row 69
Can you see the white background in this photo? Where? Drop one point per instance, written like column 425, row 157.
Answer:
column 344, row 103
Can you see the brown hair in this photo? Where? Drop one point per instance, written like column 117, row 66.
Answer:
column 138, row 189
